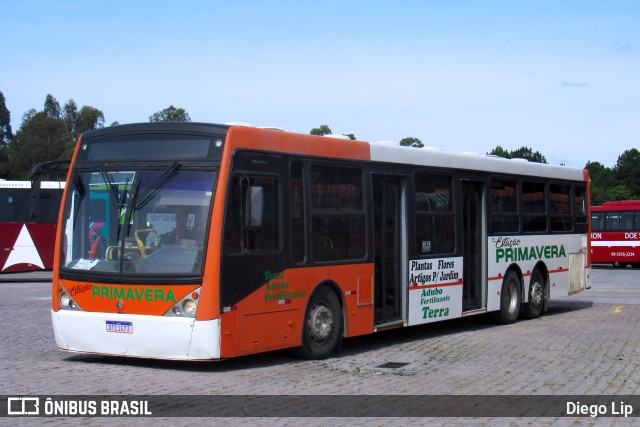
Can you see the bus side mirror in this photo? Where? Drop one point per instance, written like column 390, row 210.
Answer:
column 254, row 207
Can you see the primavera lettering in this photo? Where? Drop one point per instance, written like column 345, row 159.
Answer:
column 136, row 294
column 511, row 254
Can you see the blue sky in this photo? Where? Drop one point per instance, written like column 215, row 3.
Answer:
column 562, row 77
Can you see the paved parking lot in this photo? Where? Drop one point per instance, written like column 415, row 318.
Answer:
column 585, row 344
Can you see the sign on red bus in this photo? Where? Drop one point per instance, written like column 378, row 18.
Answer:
column 615, row 233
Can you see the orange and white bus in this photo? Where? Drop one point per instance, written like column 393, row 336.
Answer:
column 615, row 233
column 220, row 241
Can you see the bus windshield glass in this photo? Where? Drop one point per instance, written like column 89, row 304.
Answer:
column 130, row 222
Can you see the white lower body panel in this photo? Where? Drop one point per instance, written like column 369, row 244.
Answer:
column 147, row 336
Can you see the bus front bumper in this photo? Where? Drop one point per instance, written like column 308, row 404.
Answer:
column 136, row 335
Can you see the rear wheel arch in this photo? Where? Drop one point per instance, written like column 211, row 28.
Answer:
column 323, row 324
column 333, row 286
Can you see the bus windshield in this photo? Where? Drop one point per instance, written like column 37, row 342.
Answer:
column 137, row 221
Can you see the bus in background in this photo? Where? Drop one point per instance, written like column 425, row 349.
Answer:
column 222, row 240
column 27, row 236
column 615, row 233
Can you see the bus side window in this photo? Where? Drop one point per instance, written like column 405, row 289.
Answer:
column 597, row 221
column 337, row 213
column 612, row 221
column 435, row 229
column 560, row 207
column 252, row 216
column 504, row 206
column 581, row 209
column 534, row 213
column 626, row 221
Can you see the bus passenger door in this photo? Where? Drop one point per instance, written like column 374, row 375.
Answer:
column 473, row 244
column 388, row 226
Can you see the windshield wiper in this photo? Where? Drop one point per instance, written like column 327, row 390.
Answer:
column 152, row 190
column 113, row 190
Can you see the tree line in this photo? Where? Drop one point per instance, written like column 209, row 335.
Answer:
column 51, row 134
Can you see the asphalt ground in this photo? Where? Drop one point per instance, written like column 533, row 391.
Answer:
column 586, row 346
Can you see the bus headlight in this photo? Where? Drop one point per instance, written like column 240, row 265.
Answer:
column 189, row 307
column 186, row 307
column 65, row 300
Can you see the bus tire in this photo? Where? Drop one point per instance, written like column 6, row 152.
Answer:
column 322, row 326
column 509, row 300
column 620, row 264
column 533, row 307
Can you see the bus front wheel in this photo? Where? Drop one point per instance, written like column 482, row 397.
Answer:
column 509, row 300
column 322, row 327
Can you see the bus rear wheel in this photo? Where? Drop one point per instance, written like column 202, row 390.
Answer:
column 509, row 300
column 322, row 327
column 533, row 307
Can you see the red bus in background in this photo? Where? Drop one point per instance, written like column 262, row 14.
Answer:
column 615, row 233
column 28, row 222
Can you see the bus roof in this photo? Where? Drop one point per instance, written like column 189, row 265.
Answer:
column 619, row 205
column 472, row 161
column 281, row 141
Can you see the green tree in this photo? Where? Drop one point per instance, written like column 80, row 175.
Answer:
column 627, row 172
column 500, row 152
column 5, row 135
column 5, row 122
column 71, row 115
column 321, row 131
column 411, row 142
column 618, row 192
column 350, row 136
column 47, row 135
column 520, row 153
column 170, row 114
column 78, row 122
column 52, row 107
column 602, row 179
column 40, row 138
column 529, row 154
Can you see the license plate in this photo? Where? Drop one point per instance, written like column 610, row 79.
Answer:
column 119, row 327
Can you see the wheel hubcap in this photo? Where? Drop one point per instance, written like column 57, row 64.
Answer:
column 536, row 293
column 320, row 322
